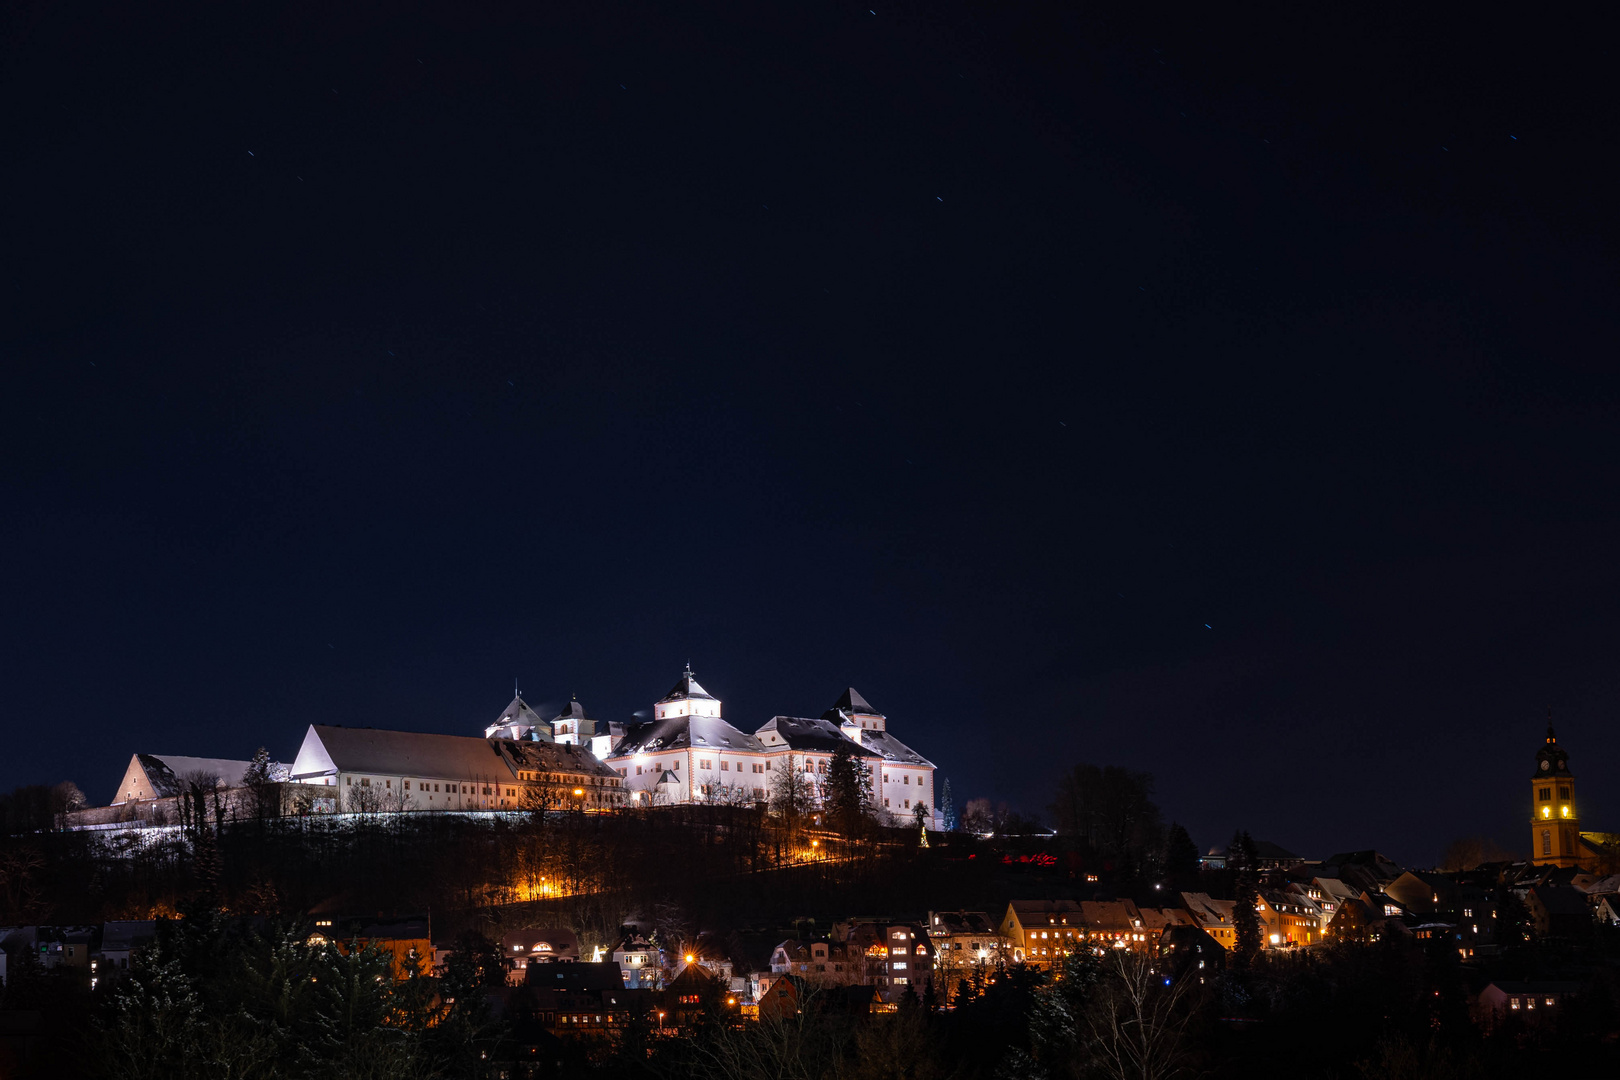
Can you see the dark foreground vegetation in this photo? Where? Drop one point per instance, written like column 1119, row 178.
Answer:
column 236, row 985
column 221, row 997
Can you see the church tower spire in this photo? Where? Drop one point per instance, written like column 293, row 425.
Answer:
column 1555, row 825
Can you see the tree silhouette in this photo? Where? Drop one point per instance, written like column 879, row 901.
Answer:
column 847, row 790
column 1240, row 858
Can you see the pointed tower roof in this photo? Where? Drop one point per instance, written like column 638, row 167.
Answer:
column 518, row 712
column 850, row 701
column 687, row 688
column 573, row 711
column 518, row 718
column 1551, row 759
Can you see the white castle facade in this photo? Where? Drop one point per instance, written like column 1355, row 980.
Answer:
column 685, row 753
column 688, row 753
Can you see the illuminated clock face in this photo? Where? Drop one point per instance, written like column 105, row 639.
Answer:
column 1545, row 764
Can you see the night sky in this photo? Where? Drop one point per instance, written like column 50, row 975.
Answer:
column 1229, row 394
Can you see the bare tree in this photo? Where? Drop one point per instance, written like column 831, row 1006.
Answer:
column 1138, row 1020
column 21, row 894
column 792, row 788
column 362, row 798
column 800, row 1046
column 1472, row 851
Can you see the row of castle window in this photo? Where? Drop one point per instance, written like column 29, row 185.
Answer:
column 365, row 781
column 1545, row 794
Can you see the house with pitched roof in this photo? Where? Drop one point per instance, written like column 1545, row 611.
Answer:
column 1042, row 931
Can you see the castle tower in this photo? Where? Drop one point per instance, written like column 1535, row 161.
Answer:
column 519, row 721
column 855, row 714
column 572, row 725
column 1555, row 825
column 686, row 698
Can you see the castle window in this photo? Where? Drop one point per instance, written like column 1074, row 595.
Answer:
column 1563, row 792
column 1544, row 794
column 1546, row 841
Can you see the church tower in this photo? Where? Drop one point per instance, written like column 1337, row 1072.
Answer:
column 1555, row 828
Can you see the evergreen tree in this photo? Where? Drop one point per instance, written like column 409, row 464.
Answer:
column 1245, row 919
column 947, row 807
column 846, row 790
column 1180, row 856
column 257, row 780
column 258, row 770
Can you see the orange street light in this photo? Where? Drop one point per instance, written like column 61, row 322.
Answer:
column 690, row 958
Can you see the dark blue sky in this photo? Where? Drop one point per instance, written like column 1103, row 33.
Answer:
column 354, row 365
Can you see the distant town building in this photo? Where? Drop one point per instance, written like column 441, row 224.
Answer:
column 1535, row 1002
column 521, row 949
column 967, row 948
column 1042, row 931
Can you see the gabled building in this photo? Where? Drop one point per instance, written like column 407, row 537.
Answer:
column 640, row 963
column 1559, row 911
column 120, row 940
column 371, row 770
column 1116, row 924
column 1329, row 893
column 523, row 949
column 1530, row 1002
column 408, row 940
column 1213, row 917
column 162, row 776
column 967, row 947
column 1288, row 918
column 1043, row 931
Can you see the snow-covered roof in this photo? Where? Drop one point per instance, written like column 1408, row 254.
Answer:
column 818, row 736
column 329, row 749
column 851, row 701
column 889, row 748
column 682, row 732
column 168, row 773
column 686, row 687
column 574, row 711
